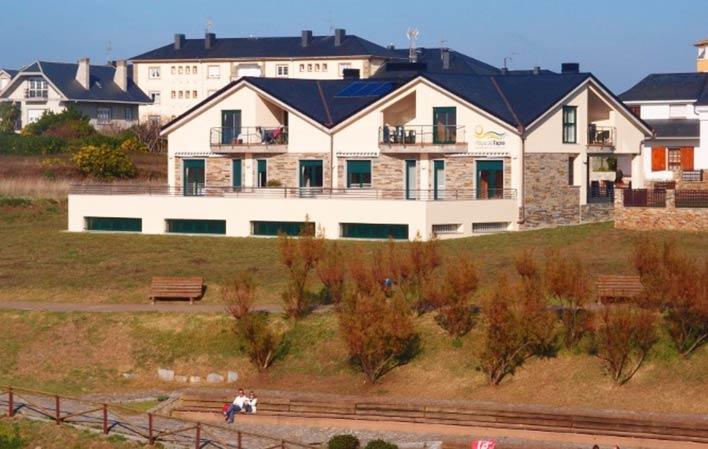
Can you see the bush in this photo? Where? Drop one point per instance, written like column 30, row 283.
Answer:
column 624, row 337
column 133, row 145
column 380, row 444
column 20, row 145
column 344, row 441
column 50, row 120
column 98, row 140
column 10, row 113
column 262, row 344
column 13, row 441
column 567, row 281
column 300, row 256
column 104, row 162
column 274, row 183
column 239, row 295
column 451, row 296
column 331, row 269
column 423, row 257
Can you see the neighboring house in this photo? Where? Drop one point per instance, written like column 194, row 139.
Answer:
column 444, row 154
column 671, row 104
column 179, row 75
column 105, row 93
column 5, row 76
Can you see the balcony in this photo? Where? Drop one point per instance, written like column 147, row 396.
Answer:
column 422, row 139
column 601, row 137
column 249, row 139
column 36, row 95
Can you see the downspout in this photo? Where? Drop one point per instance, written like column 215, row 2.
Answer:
column 522, row 186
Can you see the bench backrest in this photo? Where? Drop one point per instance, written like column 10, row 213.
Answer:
column 177, row 286
column 618, row 285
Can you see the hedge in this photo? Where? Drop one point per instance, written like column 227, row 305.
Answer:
column 27, row 145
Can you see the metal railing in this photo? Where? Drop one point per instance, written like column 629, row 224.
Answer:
column 692, row 175
column 248, row 136
column 601, row 192
column 295, row 192
column 691, row 198
column 644, row 198
column 601, row 135
column 421, row 135
column 36, row 94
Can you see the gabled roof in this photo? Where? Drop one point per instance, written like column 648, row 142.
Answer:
column 102, row 87
column 667, row 87
column 11, row 72
column 268, row 47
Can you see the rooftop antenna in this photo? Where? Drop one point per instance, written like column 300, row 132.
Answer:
column 443, row 46
column 109, row 51
column 508, row 59
column 209, row 25
column 412, row 34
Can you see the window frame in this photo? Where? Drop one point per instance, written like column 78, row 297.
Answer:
column 154, row 72
column 567, row 125
column 282, row 70
column 210, row 73
column 100, row 118
column 359, row 185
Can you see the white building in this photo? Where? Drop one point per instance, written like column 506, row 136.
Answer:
column 5, row 76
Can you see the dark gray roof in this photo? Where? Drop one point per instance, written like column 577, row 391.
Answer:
column 667, row 86
column 102, row 87
column 11, row 72
column 676, row 128
column 268, row 47
column 432, row 58
column 516, row 99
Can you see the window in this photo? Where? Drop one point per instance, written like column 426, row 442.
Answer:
column 187, row 70
column 302, row 67
column 571, row 170
column 324, row 66
column 359, row 174
column 128, row 114
column 155, row 97
column 194, row 70
column 281, row 70
column 674, row 158
column 187, row 94
column 34, row 114
column 173, row 70
column 180, row 70
column 261, row 173
column 196, row 226
column 103, row 115
column 448, row 228
column 173, row 94
column 113, row 224
column 317, row 67
column 488, row 227
column 38, row 88
column 374, row 231
column 274, row 228
column 342, row 66
column 154, row 73
column 213, row 71
column 180, row 94
column 309, row 67
column 636, row 110
column 194, row 94
column 570, row 124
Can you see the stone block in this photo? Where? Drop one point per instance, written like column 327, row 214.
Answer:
column 231, row 377
column 165, row 375
column 195, row 379
column 181, row 379
column 214, row 378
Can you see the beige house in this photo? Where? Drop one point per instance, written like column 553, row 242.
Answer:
column 5, row 76
column 179, row 75
column 105, row 93
column 433, row 154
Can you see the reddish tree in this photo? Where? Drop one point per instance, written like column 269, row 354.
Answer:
column 239, row 294
column 332, row 269
column 451, row 296
column 300, row 257
column 567, row 280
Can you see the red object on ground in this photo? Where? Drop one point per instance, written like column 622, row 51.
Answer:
column 483, row 444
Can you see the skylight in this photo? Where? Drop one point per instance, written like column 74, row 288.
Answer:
column 366, row 89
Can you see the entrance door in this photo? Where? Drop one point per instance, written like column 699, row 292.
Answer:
column 230, row 126
column 193, row 175
column 411, row 178
column 444, row 125
column 490, row 179
column 261, row 173
column 438, row 180
column 310, row 174
column 236, row 174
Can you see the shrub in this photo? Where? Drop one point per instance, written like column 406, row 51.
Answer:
column 343, row 441
column 300, row 256
column 369, row 276
column 10, row 113
column 148, row 134
column 98, row 140
column 331, row 269
column 451, row 296
column 104, row 162
column 70, row 130
column 423, row 258
column 262, row 344
column 15, row 201
column 50, row 120
column 568, row 281
column 239, row 294
column 380, row 444
column 378, row 331
column 274, row 183
column 133, row 145
column 16, row 144
column 14, row 441
column 624, row 336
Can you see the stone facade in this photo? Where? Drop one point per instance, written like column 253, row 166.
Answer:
column 548, row 199
column 666, row 218
column 285, row 167
column 218, row 172
column 596, row 213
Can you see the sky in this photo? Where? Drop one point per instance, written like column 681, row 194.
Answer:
column 620, row 41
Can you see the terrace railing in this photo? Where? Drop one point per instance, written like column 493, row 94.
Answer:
column 248, row 136
column 644, row 198
column 297, row 192
column 420, row 135
column 693, row 175
column 603, row 136
column 691, row 198
column 36, row 94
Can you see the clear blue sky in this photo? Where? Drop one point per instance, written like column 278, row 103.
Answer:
column 619, row 40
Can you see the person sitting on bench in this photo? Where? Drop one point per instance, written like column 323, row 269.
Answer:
column 237, row 405
column 251, row 403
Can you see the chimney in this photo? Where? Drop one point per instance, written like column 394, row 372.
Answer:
column 121, row 75
column 179, row 41
column 570, row 67
column 390, row 47
column 536, row 70
column 350, row 74
column 209, row 40
column 504, row 71
column 82, row 74
column 339, row 35
column 445, row 55
column 306, row 38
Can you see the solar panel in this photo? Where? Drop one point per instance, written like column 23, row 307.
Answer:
column 362, row 89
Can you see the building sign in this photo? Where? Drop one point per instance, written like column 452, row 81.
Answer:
column 483, row 444
column 488, row 140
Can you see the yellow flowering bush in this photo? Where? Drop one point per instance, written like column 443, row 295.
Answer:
column 133, row 145
column 104, row 162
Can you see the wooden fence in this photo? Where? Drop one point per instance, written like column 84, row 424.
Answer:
column 148, row 427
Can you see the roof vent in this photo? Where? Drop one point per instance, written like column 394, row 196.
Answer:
column 445, row 56
column 390, row 47
column 504, row 71
column 536, row 70
column 570, row 67
column 339, row 35
column 306, row 38
column 350, row 74
column 209, row 40
column 179, row 41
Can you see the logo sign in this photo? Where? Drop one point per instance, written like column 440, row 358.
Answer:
column 487, row 140
column 483, row 444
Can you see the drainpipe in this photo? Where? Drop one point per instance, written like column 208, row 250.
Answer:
column 331, row 162
column 522, row 187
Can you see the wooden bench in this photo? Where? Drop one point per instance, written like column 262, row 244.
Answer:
column 617, row 287
column 176, row 288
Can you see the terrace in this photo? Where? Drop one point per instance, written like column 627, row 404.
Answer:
column 422, row 138
column 249, row 139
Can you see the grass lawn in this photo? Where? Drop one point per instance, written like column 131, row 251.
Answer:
column 79, row 353
column 41, row 262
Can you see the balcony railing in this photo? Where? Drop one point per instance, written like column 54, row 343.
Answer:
column 644, row 198
column 248, row 136
column 421, row 135
column 36, row 94
column 601, row 192
column 601, row 136
column 295, row 192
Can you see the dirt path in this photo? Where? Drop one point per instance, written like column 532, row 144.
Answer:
column 160, row 307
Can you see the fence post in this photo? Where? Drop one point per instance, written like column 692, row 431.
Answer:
column 57, row 408
column 198, row 439
column 105, row 419
column 151, row 438
column 238, row 440
column 10, row 402
column 282, row 444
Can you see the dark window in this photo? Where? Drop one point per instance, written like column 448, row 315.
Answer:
column 570, row 124
column 636, row 110
column 358, row 173
column 262, row 173
column 272, row 228
column 114, row 224
column 571, row 174
column 375, row 231
column 196, row 226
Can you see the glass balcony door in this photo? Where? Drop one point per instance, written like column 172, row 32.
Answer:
column 230, row 126
column 193, row 175
column 444, row 125
column 438, row 180
column 411, row 180
column 490, row 179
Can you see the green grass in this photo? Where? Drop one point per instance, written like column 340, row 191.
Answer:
column 41, row 262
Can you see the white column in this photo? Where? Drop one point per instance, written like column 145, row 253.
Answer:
column 700, row 154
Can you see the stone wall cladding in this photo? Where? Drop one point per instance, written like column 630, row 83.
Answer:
column 218, row 172
column 596, row 213
column 285, row 167
column 548, row 199
column 659, row 218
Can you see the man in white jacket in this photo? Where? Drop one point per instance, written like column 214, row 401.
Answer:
column 238, row 404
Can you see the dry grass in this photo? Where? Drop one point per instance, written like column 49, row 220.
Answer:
column 35, row 188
